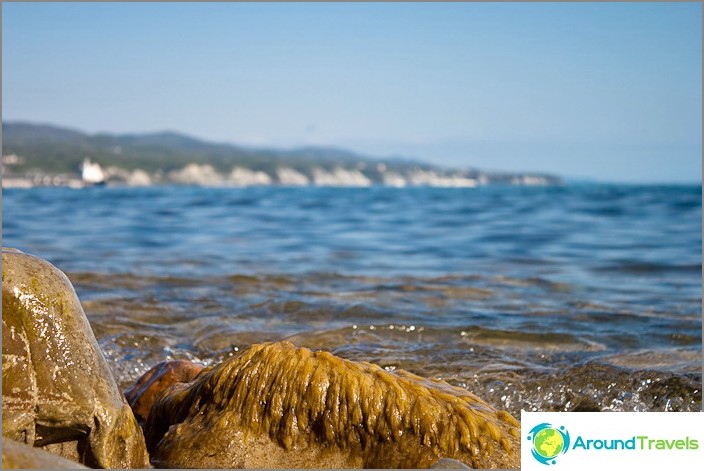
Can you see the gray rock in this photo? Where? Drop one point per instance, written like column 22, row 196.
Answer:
column 449, row 463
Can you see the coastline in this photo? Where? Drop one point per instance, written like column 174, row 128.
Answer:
column 206, row 176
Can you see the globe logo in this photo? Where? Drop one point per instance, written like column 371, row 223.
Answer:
column 548, row 442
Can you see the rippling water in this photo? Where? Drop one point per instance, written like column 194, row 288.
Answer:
column 582, row 297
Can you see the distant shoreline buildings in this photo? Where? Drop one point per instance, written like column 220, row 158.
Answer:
column 194, row 174
column 43, row 155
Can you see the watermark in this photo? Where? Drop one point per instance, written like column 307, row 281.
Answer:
column 548, row 442
column 649, row 440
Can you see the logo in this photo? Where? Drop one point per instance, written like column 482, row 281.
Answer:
column 624, row 440
column 548, row 442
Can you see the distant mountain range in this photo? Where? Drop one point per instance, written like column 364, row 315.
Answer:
column 35, row 154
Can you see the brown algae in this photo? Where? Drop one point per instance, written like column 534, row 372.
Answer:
column 278, row 405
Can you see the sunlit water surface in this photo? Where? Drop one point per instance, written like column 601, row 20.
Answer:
column 582, row 297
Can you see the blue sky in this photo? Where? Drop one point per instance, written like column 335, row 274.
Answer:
column 597, row 90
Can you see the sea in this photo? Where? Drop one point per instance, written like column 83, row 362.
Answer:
column 580, row 297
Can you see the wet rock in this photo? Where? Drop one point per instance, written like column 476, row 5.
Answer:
column 150, row 385
column 57, row 390
column 16, row 455
column 276, row 405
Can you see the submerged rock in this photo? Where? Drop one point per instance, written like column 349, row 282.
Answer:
column 276, row 405
column 57, row 389
column 16, row 455
column 150, row 385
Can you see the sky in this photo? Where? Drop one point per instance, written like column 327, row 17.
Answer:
column 605, row 91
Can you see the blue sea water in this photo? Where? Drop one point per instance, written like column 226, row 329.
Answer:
column 575, row 297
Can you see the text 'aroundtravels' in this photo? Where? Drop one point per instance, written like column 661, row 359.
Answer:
column 641, row 442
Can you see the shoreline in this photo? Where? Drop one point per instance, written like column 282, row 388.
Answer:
column 77, row 183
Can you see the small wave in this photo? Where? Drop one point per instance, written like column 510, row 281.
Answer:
column 648, row 268
column 666, row 360
column 590, row 387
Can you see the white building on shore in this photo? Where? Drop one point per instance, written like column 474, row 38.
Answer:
column 92, row 173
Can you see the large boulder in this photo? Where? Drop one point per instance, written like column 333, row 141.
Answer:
column 57, row 390
column 275, row 405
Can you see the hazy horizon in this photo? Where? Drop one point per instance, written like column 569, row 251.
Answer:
column 608, row 92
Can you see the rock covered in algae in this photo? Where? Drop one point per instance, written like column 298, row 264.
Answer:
column 276, row 405
column 16, row 455
column 150, row 385
column 57, row 390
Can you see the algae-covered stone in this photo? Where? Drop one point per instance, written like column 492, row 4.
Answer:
column 57, row 389
column 276, row 405
column 150, row 385
column 16, row 455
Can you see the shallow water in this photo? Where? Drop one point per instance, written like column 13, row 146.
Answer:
column 582, row 297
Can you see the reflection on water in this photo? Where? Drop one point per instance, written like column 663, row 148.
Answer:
column 570, row 298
